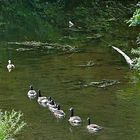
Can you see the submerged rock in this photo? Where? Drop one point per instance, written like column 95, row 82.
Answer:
column 99, row 84
column 102, row 84
column 24, row 49
column 96, row 36
column 88, row 64
column 29, row 43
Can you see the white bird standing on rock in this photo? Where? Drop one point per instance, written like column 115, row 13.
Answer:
column 129, row 61
column 10, row 66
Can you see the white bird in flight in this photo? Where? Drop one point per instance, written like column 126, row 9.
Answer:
column 71, row 24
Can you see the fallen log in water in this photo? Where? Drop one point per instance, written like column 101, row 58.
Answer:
column 24, row 49
column 127, row 58
column 88, row 64
column 29, row 43
column 98, row 84
column 32, row 45
column 102, row 84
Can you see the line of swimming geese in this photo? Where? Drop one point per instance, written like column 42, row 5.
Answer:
column 58, row 112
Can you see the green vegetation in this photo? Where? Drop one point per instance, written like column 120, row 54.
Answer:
column 10, row 124
column 136, row 59
column 48, row 21
column 135, row 21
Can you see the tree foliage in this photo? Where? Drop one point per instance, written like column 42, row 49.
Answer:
column 43, row 19
column 135, row 19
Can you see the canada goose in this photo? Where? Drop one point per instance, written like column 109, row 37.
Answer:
column 52, row 106
column 74, row 120
column 92, row 128
column 59, row 113
column 32, row 93
column 42, row 100
column 10, row 66
column 49, row 100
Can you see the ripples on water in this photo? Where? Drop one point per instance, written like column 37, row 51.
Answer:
column 116, row 108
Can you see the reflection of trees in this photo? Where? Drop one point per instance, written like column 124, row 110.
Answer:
column 132, row 88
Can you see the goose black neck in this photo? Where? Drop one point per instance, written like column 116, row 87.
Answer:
column 58, row 107
column 39, row 93
column 31, row 87
column 72, row 112
column 88, row 119
column 49, row 98
column 52, row 102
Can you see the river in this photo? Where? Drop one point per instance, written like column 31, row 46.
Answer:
column 116, row 108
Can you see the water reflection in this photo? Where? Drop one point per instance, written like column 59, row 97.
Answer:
column 109, row 107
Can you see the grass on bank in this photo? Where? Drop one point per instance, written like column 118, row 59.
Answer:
column 10, row 124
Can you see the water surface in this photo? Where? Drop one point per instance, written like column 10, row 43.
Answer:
column 115, row 108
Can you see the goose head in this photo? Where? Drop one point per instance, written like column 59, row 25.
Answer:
column 52, row 102
column 31, row 87
column 49, row 98
column 39, row 93
column 71, row 111
column 88, row 119
column 58, row 107
column 9, row 61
